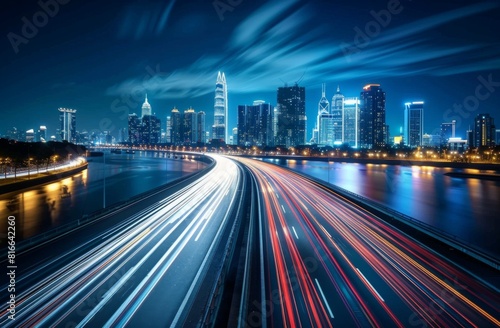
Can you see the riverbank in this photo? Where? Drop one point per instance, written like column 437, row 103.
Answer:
column 403, row 162
column 23, row 182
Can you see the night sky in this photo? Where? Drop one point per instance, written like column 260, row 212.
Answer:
column 100, row 57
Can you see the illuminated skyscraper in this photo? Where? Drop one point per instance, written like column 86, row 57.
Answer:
column 42, row 134
column 414, row 123
column 189, row 127
column 150, row 130
column 291, row 122
column 134, row 129
column 350, row 121
column 447, row 132
column 176, row 126
column 200, row 130
column 484, row 131
column 337, row 112
column 372, row 125
column 255, row 124
column 146, row 107
column 324, row 122
column 67, row 123
column 219, row 129
column 168, row 130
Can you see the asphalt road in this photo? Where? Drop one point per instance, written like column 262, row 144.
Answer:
column 141, row 266
column 327, row 262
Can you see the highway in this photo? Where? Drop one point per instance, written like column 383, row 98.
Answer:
column 327, row 262
column 143, row 266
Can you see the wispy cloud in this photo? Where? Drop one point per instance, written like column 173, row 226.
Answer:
column 270, row 46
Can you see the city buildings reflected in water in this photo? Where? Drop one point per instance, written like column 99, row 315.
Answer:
column 51, row 205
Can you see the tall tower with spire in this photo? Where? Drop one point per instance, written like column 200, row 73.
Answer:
column 323, row 131
column 219, row 129
column 146, row 107
column 337, row 114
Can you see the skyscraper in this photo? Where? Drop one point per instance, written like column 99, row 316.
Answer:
column 67, row 123
column 255, row 124
column 42, row 134
column 146, row 107
column 372, row 117
column 337, row 114
column 291, row 123
column 350, row 121
column 200, row 130
column 324, row 122
column 484, row 131
column 168, row 130
column 219, row 129
column 447, row 132
column 134, row 129
column 150, row 130
column 176, row 126
column 414, row 123
column 189, row 127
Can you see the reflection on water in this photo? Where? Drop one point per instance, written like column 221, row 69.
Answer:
column 121, row 177
column 466, row 208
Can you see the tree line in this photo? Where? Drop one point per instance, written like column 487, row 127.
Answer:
column 17, row 154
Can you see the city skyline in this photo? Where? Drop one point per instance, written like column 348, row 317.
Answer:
column 439, row 55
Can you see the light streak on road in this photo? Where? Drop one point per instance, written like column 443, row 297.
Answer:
column 138, row 272
column 358, row 258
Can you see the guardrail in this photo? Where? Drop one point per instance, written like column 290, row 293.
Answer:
column 228, row 259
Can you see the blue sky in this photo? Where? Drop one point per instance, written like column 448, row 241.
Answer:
column 100, row 58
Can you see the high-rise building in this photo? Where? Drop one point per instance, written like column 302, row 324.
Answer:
column 414, row 123
column 255, row 124
column 134, row 129
column 484, row 131
column 323, row 132
column 372, row 126
column 276, row 113
column 291, row 123
column 151, row 130
column 168, row 130
column 67, row 123
column 447, row 132
column 337, row 112
column 200, row 130
column 145, row 129
column 146, row 107
column 176, row 127
column 42, row 134
column 235, row 136
column 30, row 135
column 350, row 121
column 189, row 126
column 219, row 129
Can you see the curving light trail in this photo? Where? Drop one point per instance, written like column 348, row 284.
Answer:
column 141, row 272
column 330, row 262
